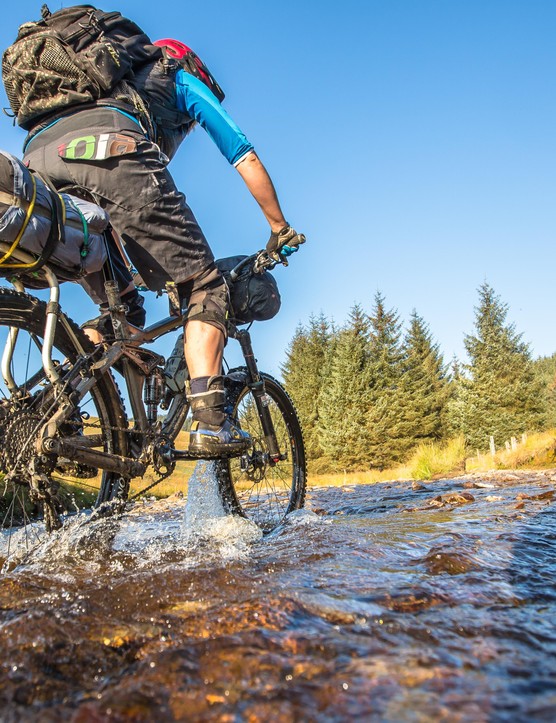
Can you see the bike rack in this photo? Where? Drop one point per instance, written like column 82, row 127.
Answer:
column 53, row 310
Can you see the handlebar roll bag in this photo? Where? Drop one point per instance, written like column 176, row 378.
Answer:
column 254, row 297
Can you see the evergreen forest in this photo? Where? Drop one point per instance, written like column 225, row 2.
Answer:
column 370, row 391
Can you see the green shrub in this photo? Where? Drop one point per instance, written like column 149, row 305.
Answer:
column 322, row 465
column 432, row 459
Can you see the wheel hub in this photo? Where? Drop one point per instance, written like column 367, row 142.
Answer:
column 254, row 465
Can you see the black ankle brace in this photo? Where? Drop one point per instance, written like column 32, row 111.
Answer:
column 207, row 406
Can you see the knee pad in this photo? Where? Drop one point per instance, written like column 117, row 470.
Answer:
column 206, row 298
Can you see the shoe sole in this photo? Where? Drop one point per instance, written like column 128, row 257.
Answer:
column 217, row 454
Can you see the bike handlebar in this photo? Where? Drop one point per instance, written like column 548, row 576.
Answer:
column 261, row 261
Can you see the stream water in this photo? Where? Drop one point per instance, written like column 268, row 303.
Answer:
column 388, row 602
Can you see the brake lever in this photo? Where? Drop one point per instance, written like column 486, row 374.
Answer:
column 263, row 262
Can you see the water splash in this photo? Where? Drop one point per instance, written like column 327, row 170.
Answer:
column 206, row 523
column 18, row 544
column 301, row 518
column 203, row 500
column 150, row 533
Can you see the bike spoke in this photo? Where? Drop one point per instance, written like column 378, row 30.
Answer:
column 41, row 489
column 265, row 491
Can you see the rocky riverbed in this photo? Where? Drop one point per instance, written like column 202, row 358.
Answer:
column 398, row 601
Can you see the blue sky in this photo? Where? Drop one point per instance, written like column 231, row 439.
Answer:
column 412, row 141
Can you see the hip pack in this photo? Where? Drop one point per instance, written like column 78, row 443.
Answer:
column 75, row 55
column 60, row 229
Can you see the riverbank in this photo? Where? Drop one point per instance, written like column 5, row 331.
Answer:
column 448, row 460
column 429, row 462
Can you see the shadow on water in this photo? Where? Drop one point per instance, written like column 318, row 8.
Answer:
column 392, row 602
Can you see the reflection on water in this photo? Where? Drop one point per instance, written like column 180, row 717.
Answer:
column 393, row 602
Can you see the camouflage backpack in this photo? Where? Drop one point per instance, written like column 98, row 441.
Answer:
column 75, row 55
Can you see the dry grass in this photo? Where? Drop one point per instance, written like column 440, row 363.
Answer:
column 538, row 451
column 438, row 460
column 434, row 461
column 170, row 486
column 356, row 478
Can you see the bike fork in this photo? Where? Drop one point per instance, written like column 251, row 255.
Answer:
column 256, row 384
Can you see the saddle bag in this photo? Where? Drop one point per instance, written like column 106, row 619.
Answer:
column 254, row 297
column 60, row 229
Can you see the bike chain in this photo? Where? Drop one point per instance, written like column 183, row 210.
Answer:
column 161, row 475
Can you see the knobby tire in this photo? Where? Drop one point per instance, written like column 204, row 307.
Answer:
column 252, row 486
column 101, row 412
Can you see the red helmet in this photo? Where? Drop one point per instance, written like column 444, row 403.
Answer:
column 191, row 63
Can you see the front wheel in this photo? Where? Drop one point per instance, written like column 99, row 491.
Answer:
column 253, row 485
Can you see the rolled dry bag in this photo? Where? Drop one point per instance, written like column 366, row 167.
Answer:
column 254, row 297
column 28, row 208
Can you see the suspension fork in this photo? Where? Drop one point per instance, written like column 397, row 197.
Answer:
column 256, row 384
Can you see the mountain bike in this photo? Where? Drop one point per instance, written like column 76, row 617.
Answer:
column 67, row 443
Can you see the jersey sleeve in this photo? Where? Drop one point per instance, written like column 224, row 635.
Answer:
column 195, row 99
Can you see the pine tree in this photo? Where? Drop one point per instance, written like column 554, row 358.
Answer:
column 303, row 373
column 423, row 386
column 455, row 404
column 545, row 368
column 502, row 396
column 386, row 404
column 344, row 398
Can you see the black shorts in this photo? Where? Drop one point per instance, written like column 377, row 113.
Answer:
column 160, row 233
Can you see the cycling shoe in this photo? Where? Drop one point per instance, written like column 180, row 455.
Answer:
column 209, row 442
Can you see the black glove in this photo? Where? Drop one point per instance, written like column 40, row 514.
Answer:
column 284, row 243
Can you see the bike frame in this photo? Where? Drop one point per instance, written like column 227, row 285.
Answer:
column 137, row 363
column 148, row 335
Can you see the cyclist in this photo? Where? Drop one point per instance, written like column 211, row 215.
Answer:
column 134, row 134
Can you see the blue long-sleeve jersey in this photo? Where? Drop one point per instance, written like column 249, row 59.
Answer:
column 199, row 103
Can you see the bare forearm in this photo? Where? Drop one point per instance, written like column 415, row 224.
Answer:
column 260, row 184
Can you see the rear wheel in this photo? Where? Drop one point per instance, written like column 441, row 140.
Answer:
column 36, row 491
column 253, row 485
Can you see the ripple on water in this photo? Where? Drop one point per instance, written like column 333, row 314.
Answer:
column 380, row 607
